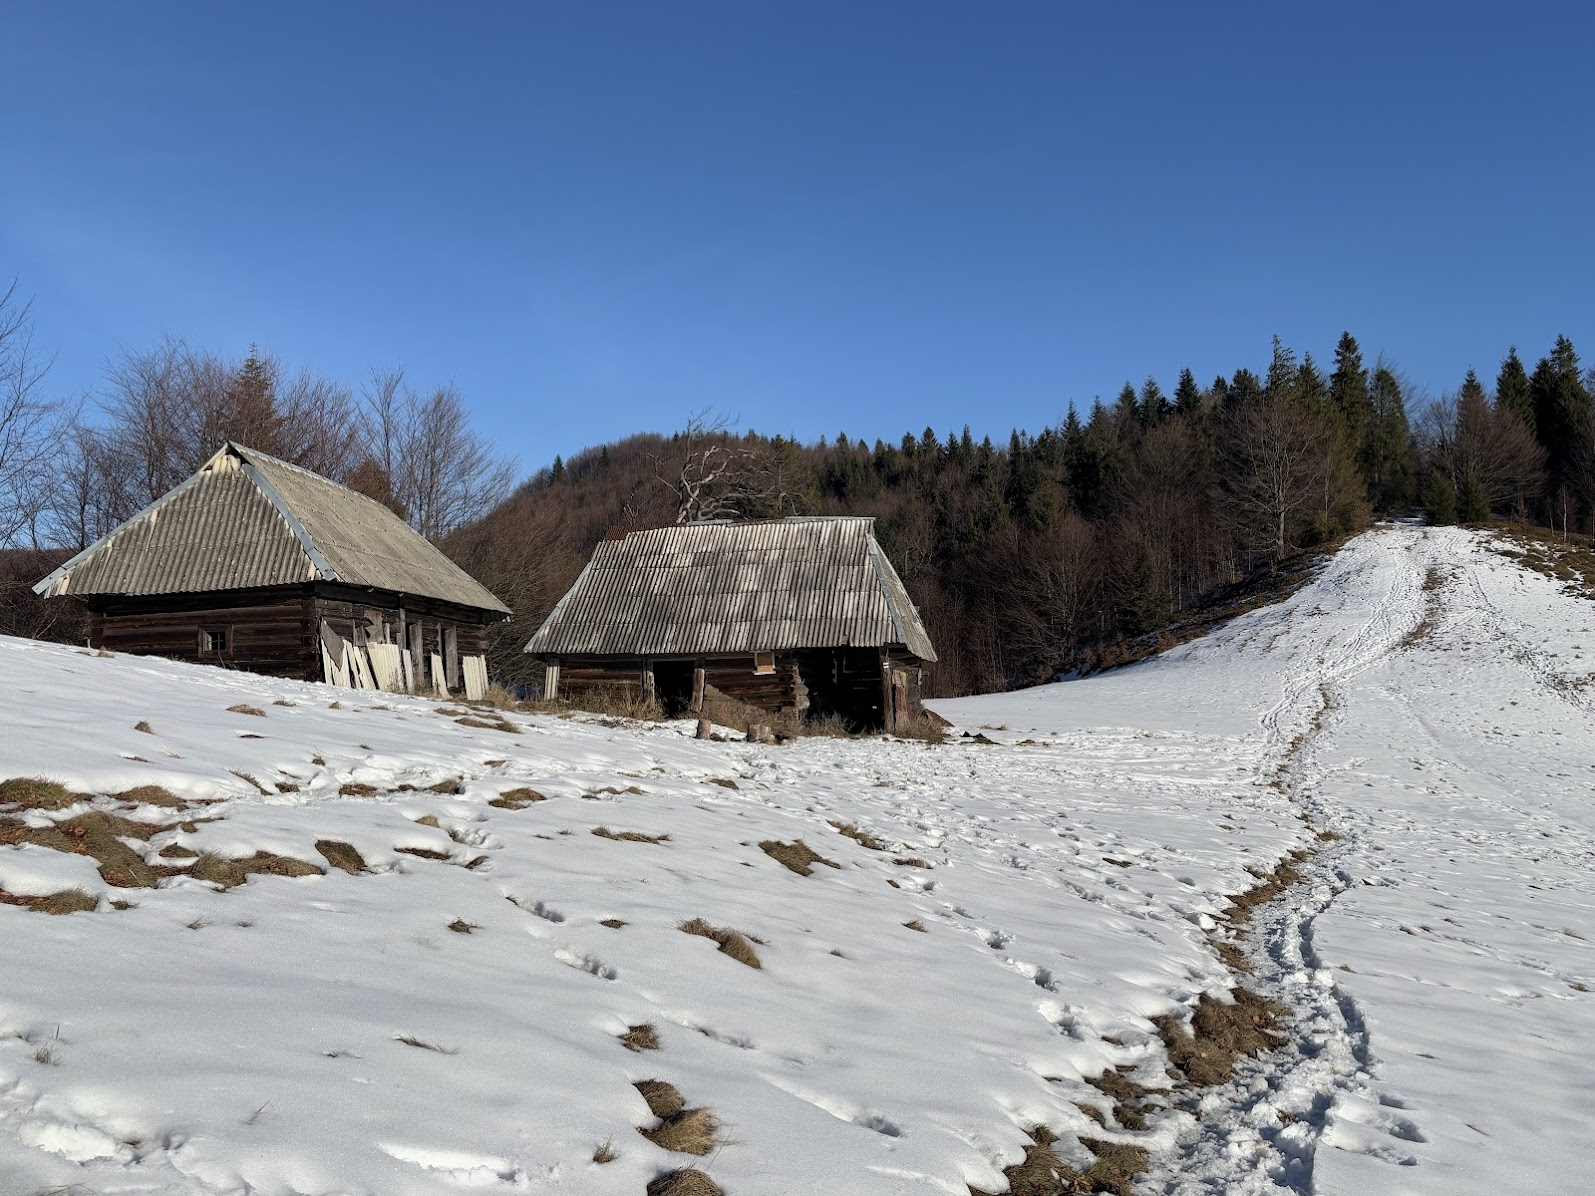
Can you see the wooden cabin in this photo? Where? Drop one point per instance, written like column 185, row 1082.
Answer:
column 257, row 564
column 803, row 617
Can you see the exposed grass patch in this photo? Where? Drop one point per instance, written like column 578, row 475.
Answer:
column 449, row 787
column 341, row 855
column 688, row 1181
column 684, row 1130
column 516, row 799
column 67, row 901
column 922, row 728
column 98, row 835
column 357, row 789
column 256, row 711
column 231, row 873
column 143, row 726
column 412, row 1041
column 423, row 853
column 605, row 1153
column 612, row 923
column 796, row 857
column 724, row 782
column 498, row 724
column 640, row 1038
column 1129, row 1098
column 461, row 926
column 36, row 793
column 911, row 861
column 244, row 776
column 153, row 795
column 1043, row 1173
column 861, row 837
column 603, row 832
column 176, row 851
column 1219, row 1034
column 916, row 924
column 731, row 942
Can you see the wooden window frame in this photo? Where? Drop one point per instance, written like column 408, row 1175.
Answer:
column 207, row 648
column 760, row 668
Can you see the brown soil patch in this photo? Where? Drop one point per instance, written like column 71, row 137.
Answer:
column 1219, row 1034
column 795, row 857
column 687, row 1182
column 603, row 832
column 861, row 837
column 341, row 855
column 230, row 873
column 731, row 942
column 516, row 799
column 640, row 1038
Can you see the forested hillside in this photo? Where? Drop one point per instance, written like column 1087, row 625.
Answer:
column 1026, row 557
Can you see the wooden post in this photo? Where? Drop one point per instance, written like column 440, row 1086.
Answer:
column 648, row 689
column 888, row 707
column 697, row 688
column 551, row 679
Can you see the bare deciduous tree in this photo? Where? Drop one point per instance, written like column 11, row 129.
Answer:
column 30, row 424
column 715, row 475
column 1274, row 470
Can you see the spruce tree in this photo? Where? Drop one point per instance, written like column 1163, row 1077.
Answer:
column 1384, row 455
column 1348, row 391
column 1439, row 499
column 1512, row 391
column 1154, row 407
column 1282, row 371
column 1187, row 395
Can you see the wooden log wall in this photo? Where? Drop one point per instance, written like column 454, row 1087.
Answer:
column 270, row 632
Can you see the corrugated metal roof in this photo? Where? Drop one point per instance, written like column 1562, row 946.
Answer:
column 713, row 588
column 247, row 519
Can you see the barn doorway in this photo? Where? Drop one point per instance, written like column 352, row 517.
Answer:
column 673, row 686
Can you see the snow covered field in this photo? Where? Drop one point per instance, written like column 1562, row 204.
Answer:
column 1002, row 924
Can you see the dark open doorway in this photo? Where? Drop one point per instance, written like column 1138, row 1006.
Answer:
column 673, row 686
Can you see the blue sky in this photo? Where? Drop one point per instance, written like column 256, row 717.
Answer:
column 597, row 218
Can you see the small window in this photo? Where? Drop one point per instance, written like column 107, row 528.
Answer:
column 764, row 663
column 215, row 641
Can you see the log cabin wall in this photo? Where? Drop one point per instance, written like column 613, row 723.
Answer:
column 268, row 631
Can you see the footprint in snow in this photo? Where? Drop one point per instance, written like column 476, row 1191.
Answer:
column 586, row 963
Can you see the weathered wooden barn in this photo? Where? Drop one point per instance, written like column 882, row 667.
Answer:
column 801, row 616
column 257, row 564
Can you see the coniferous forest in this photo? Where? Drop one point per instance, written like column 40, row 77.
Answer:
column 1027, row 558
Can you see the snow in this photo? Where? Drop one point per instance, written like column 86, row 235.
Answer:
column 249, row 1040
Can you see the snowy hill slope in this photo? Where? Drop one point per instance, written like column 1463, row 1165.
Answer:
column 1002, row 924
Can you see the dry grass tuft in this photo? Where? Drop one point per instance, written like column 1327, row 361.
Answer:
column 664, row 1099
column 911, row 861
column 243, row 709
column 640, row 1038
column 412, row 1040
column 686, row 1182
column 731, row 942
column 357, row 789
column 153, row 795
column 143, row 726
column 926, row 730
column 423, row 853
column 230, row 873
column 245, row 777
column 612, row 923
column 430, row 820
column 461, row 926
column 916, row 924
column 603, row 832
column 36, row 793
column 516, row 799
column 67, row 901
column 498, row 724
column 605, row 1153
column 447, row 787
column 687, row 1131
column 1221, row 1033
column 861, row 837
column 724, row 782
column 795, row 857
column 341, row 855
